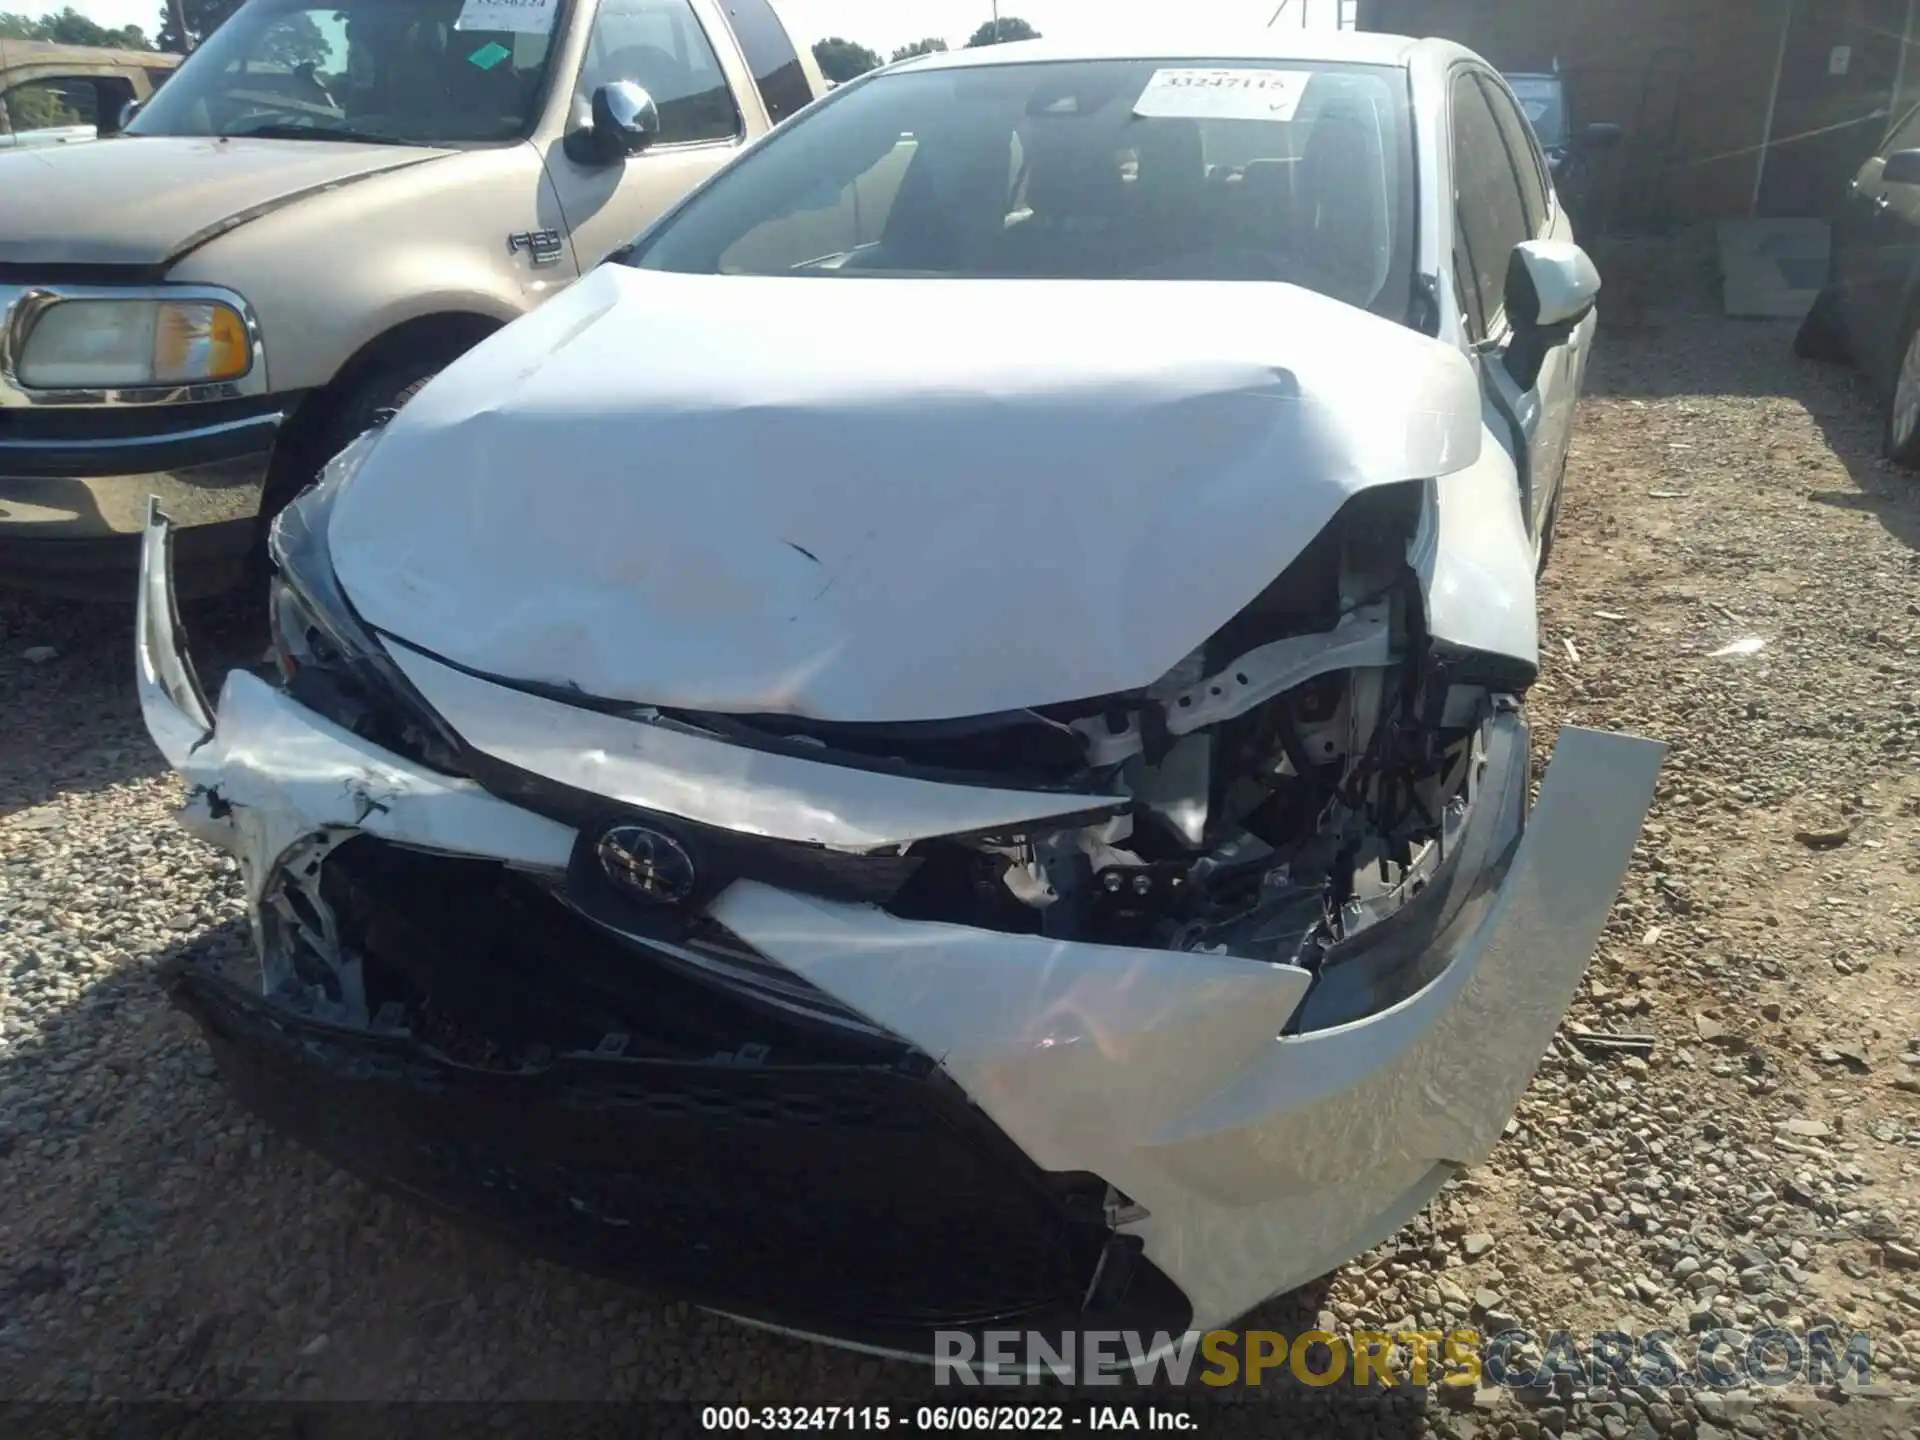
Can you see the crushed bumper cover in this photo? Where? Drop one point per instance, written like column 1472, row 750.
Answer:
column 866, row 1202
column 1017, row 1079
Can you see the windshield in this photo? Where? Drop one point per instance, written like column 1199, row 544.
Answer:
column 405, row 71
column 1075, row 171
column 1546, row 106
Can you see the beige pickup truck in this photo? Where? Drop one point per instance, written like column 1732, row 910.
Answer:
column 63, row 94
column 328, row 202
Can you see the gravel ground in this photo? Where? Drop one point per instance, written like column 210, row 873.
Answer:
column 1756, row 1167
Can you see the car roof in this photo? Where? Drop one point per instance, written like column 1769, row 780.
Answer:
column 1144, row 42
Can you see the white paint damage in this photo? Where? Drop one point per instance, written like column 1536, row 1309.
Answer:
column 923, row 520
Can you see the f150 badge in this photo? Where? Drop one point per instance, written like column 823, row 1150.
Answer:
column 543, row 247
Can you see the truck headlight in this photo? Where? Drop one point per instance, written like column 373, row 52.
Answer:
column 123, row 344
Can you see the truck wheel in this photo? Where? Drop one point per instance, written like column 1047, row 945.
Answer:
column 388, row 388
column 1901, row 441
column 1823, row 333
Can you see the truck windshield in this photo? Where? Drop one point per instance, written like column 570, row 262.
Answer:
column 1076, row 170
column 393, row 71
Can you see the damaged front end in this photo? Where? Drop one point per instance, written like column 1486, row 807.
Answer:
column 1124, row 1013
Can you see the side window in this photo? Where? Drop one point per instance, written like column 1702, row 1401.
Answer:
column 770, row 55
column 659, row 45
column 1529, row 166
column 113, row 93
column 826, row 226
column 1490, row 216
column 50, row 105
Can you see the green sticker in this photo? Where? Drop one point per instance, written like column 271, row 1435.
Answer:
column 489, row 55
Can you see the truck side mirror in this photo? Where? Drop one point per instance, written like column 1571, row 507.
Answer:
column 624, row 121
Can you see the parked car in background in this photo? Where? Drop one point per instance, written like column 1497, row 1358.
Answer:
column 940, row 744
column 328, row 202
column 1570, row 149
column 1868, row 313
column 61, row 94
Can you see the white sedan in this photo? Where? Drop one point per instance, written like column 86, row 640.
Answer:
column 938, row 746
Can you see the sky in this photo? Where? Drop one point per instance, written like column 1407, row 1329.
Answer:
column 884, row 25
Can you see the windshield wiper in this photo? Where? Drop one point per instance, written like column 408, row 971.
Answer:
column 314, row 132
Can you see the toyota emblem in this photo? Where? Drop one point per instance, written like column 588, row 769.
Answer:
column 647, row 863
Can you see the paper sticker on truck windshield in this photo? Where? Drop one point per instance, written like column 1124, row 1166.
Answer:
column 514, row 17
column 1223, row 94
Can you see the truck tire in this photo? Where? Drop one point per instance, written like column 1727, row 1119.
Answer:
column 386, row 387
column 1900, row 440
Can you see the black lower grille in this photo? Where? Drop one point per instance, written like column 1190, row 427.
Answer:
column 835, row 1183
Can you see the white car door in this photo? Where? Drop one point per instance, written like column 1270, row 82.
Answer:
column 1502, row 199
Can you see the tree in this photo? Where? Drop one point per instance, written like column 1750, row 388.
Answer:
column 931, row 45
column 1002, row 31
column 292, row 41
column 841, row 60
column 70, row 27
column 203, row 17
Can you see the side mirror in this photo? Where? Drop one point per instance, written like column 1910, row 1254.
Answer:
column 123, row 119
column 1551, row 287
column 624, row 121
column 1602, row 135
column 1902, row 168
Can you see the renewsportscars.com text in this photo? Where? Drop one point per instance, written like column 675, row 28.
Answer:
column 1772, row 1358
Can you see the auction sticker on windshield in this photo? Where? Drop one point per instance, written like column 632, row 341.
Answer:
column 513, row 17
column 1223, row 94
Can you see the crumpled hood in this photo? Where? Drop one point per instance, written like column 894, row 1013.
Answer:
column 145, row 199
column 868, row 499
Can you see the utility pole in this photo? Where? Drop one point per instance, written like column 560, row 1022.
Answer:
column 178, row 16
column 996, row 21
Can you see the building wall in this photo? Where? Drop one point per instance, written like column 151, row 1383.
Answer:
column 1689, row 80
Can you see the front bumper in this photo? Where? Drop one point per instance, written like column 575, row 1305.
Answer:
column 74, row 487
column 1236, row 1161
